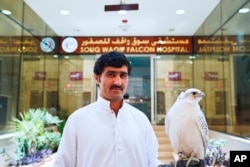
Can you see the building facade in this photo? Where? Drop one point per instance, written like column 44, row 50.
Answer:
column 216, row 60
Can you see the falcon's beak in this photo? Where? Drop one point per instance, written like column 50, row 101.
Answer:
column 198, row 94
column 201, row 94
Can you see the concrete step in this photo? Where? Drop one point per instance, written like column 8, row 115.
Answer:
column 165, row 147
column 166, row 153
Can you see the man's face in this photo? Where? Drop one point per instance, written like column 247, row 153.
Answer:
column 113, row 82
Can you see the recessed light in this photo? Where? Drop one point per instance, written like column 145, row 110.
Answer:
column 171, row 29
column 122, row 12
column 64, row 12
column 180, row 11
column 6, row 12
column 244, row 10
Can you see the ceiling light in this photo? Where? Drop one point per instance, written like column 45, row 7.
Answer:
column 6, row 12
column 180, row 11
column 122, row 12
column 244, row 10
column 64, row 12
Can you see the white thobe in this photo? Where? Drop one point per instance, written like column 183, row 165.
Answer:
column 94, row 136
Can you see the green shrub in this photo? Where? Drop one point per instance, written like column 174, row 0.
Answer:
column 34, row 139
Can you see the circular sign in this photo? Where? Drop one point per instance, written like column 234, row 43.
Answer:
column 47, row 44
column 69, row 44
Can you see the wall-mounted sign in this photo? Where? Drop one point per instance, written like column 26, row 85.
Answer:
column 69, row 44
column 131, row 45
column 221, row 44
column 47, row 44
column 174, row 76
column 75, row 76
column 211, row 76
column 40, row 75
column 177, row 45
column 19, row 45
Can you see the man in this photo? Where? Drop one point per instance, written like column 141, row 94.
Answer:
column 108, row 132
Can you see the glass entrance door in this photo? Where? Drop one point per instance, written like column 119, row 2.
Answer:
column 138, row 92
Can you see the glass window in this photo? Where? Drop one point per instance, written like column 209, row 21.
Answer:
column 229, row 94
column 173, row 74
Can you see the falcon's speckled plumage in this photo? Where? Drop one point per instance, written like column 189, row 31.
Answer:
column 186, row 125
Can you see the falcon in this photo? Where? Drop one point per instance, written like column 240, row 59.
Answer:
column 186, row 126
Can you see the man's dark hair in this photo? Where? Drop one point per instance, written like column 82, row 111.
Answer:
column 113, row 59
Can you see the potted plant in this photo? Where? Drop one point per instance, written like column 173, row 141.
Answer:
column 35, row 137
column 216, row 154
